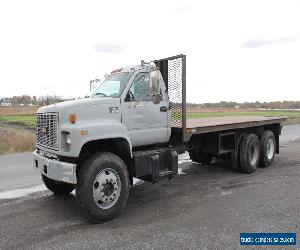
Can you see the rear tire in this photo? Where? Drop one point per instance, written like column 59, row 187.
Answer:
column 267, row 149
column 249, row 153
column 103, row 187
column 199, row 156
column 57, row 187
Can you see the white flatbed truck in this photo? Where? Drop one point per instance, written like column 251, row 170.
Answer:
column 134, row 124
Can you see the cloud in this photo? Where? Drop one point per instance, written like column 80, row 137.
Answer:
column 261, row 41
column 109, row 48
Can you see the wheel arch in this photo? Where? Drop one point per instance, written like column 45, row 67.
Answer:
column 119, row 146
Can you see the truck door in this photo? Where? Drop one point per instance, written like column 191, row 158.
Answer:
column 146, row 122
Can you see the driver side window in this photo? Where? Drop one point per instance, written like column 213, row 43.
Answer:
column 140, row 88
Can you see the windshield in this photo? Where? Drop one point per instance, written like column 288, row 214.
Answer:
column 111, row 86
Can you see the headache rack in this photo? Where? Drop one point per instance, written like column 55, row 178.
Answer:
column 173, row 70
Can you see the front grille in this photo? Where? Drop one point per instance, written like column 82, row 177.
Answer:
column 47, row 130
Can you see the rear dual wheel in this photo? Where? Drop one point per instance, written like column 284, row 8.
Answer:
column 249, row 153
column 268, row 149
column 253, row 152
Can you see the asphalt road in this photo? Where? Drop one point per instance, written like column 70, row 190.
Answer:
column 206, row 207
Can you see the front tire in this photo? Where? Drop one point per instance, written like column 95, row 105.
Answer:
column 57, row 187
column 103, row 187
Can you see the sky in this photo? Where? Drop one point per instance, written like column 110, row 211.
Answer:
column 237, row 50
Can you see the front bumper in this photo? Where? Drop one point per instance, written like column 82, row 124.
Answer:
column 54, row 169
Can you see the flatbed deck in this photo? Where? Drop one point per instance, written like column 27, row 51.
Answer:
column 214, row 124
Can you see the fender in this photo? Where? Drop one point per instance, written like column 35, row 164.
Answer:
column 96, row 130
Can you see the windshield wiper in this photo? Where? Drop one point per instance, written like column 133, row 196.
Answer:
column 99, row 93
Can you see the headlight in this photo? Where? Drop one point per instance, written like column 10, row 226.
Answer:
column 68, row 138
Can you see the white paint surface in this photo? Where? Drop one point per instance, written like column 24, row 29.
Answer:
column 16, row 193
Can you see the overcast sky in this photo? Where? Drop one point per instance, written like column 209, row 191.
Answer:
column 236, row 50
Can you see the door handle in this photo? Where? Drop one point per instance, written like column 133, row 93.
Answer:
column 163, row 109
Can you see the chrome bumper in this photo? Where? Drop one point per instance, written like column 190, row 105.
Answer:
column 54, row 169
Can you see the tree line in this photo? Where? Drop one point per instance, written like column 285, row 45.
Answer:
column 31, row 100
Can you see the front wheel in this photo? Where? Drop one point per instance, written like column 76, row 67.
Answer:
column 57, row 187
column 103, row 187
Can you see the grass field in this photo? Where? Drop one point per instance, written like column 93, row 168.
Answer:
column 15, row 140
column 27, row 121
column 18, row 110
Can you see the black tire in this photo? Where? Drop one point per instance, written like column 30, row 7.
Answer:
column 249, row 153
column 235, row 155
column 57, row 187
column 199, row 156
column 84, row 188
column 267, row 152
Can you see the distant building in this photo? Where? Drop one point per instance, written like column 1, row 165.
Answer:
column 5, row 104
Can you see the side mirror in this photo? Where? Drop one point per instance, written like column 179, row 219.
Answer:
column 154, row 87
column 154, row 83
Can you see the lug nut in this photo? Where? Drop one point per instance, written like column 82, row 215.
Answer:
column 114, row 183
column 114, row 194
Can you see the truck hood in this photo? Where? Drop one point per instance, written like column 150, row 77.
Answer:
column 86, row 109
column 78, row 103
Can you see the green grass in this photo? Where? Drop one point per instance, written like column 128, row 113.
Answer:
column 28, row 121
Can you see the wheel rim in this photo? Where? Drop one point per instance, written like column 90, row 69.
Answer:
column 270, row 149
column 106, row 188
column 253, row 157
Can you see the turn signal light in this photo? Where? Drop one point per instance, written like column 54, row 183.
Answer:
column 72, row 118
column 189, row 130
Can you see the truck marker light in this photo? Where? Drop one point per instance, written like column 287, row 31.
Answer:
column 72, row 118
column 84, row 132
column 189, row 130
column 116, row 71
